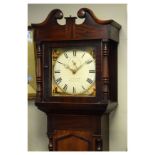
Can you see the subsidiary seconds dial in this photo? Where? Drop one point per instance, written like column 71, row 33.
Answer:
column 74, row 72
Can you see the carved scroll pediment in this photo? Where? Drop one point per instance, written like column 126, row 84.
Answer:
column 91, row 28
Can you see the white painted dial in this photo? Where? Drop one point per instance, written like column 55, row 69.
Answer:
column 74, row 71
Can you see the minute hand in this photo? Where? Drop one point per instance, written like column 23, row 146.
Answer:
column 86, row 62
column 80, row 67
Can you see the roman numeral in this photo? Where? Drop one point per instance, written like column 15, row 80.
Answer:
column 60, row 62
column 57, row 71
column 65, row 87
column 89, row 61
column 65, row 54
column 74, row 53
column 89, row 81
column 74, row 90
column 58, row 80
column 83, row 54
column 91, row 71
column 83, row 88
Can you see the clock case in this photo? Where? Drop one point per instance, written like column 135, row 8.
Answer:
column 77, row 120
column 48, row 72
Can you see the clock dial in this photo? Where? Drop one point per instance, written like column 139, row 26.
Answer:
column 74, row 72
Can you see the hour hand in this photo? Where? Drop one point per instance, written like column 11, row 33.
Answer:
column 74, row 63
column 67, row 67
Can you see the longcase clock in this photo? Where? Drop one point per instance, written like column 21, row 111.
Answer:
column 76, row 74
